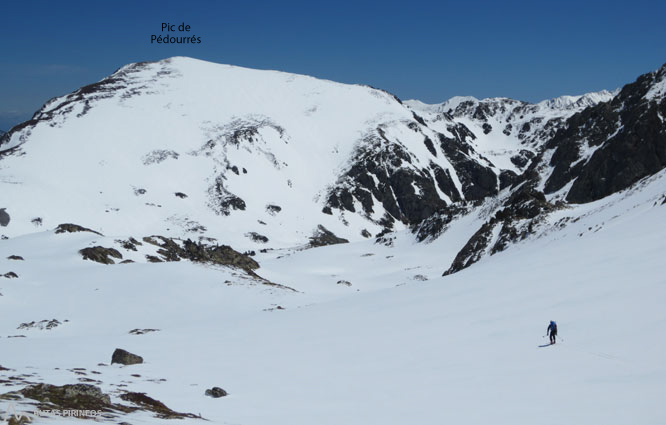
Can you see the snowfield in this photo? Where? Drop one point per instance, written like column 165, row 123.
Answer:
column 391, row 348
column 358, row 333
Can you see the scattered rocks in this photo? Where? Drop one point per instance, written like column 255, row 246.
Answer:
column 73, row 228
column 344, row 282
column 129, row 244
column 76, row 396
column 87, row 397
column 100, row 254
column 216, row 392
column 175, row 250
column 159, row 155
column 278, row 307
column 142, row 331
column 125, row 357
column 256, row 237
column 15, row 257
column 41, row 325
column 322, row 237
column 420, row 277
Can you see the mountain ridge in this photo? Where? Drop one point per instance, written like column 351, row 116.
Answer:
column 265, row 159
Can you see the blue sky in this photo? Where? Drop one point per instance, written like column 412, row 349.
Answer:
column 426, row 50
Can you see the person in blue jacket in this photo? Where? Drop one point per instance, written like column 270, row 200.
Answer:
column 552, row 331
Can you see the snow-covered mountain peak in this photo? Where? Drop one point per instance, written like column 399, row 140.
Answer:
column 578, row 102
column 239, row 144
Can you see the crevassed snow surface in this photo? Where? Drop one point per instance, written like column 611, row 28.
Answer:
column 400, row 345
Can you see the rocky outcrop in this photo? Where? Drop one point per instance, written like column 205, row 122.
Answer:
column 101, row 254
column 610, row 146
column 161, row 411
column 73, row 228
column 125, row 357
column 90, row 398
column 175, row 250
column 77, row 396
column 322, row 237
column 514, row 220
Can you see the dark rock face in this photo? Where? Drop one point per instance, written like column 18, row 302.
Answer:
column 629, row 136
column 216, row 392
column 10, row 275
column 101, row 254
column 385, row 171
column 521, row 159
column 435, row 225
column 515, row 218
column 73, row 228
column 478, row 181
column 125, row 357
column 15, row 257
column 322, row 236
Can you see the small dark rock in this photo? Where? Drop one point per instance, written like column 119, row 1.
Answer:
column 181, row 195
column 4, row 217
column 15, row 257
column 216, row 392
column 10, row 275
column 125, row 357
column 273, row 209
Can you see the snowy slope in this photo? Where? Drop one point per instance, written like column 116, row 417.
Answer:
column 391, row 348
column 357, row 333
column 209, row 131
